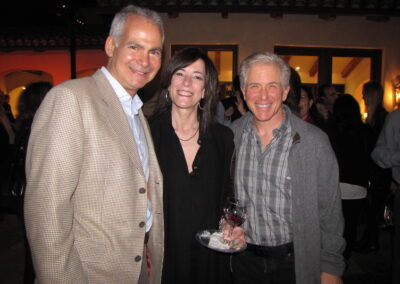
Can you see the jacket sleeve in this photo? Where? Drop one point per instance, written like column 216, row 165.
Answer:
column 330, row 210
column 387, row 150
column 53, row 165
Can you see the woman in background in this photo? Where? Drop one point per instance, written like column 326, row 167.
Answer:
column 351, row 141
column 194, row 154
column 305, row 104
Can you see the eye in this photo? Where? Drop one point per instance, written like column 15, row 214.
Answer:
column 254, row 87
column 133, row 47
column 198, row 77
column 156, row 52
column 179, row 73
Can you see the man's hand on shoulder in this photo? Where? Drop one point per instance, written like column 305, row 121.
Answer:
column 327, row 278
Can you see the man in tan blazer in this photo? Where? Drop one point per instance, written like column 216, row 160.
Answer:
column 94, row 185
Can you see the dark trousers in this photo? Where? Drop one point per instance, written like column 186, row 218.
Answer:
column 255, row 266
column 351, row 212
column 375, row 205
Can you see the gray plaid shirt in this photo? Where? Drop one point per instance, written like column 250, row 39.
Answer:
column 263, row 183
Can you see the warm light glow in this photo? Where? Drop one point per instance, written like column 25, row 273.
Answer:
column 297, row 68
column 365, row 115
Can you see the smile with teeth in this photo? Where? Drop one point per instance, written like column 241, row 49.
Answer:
column 263, row 105
column 185, row 93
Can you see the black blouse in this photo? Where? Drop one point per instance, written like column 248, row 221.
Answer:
column 193, row 201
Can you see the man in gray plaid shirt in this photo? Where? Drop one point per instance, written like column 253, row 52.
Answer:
column 287, row 176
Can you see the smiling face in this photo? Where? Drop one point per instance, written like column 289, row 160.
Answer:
column 187, row 85
column 136, row 58
column 264, row 94
column 305, row 104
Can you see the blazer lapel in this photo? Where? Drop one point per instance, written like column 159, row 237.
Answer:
column 117, row 118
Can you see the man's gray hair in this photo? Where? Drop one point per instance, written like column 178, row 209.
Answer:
column 118, row 23
column 264, row 58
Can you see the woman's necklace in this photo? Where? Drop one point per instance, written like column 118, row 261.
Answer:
column 190, row 138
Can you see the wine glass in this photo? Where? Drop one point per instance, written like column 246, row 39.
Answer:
column 234, row 213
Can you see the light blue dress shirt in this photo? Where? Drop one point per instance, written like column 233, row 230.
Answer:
column 131, row 106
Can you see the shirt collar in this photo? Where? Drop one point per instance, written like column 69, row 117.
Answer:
column 122, row 94
column 282, row 129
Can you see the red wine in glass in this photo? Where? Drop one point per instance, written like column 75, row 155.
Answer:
column 234, row 213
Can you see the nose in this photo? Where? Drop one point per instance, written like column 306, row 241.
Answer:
column 144, row 59
column 187, row 80
column 264, row 92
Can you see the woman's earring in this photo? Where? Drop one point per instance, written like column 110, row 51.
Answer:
column 201, row 104
column 167, row 97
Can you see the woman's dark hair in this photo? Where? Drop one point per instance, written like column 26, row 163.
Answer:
column 181, row 59
column 308, row 92
column 293, row 97
column 31, row 97
column 347, row 112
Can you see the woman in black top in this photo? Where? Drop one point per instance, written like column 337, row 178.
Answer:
column 194, row 154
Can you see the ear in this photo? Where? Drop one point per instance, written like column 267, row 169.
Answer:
column 243, row 92
column 285, row 93
column 202, row 93
column 109, row 46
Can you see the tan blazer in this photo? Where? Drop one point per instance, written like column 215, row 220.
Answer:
column 85, row 204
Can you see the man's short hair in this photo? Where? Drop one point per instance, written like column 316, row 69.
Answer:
column 118, row 23
column 373, row 88
column 264, row 58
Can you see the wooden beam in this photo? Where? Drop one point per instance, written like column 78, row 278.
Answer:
column 314, row 68
column 350, row 67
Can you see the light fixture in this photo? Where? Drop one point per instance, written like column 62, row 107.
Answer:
column 396, row 91
column 297, row 68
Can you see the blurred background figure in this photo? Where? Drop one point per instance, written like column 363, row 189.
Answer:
column 305, row 104
column 29, row 102
column 329, row 94
column 351, row 141
column 293, row 97
column 380, row 179
column 7, row 139
column 235, row 105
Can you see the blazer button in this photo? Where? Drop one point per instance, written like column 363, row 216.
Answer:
column 142, row 224
column 142, row 190
column 138, row 258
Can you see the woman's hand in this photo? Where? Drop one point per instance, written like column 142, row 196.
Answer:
column 235, row 236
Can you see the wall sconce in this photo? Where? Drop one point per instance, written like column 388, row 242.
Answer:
column 396, row 91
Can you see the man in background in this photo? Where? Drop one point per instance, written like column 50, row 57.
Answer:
column 387, row 155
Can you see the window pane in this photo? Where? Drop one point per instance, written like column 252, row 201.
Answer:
column 351, row 73
column 223, row 61
column 306, row 66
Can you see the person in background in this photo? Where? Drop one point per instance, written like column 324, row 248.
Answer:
column 5, row 101
column 305, row 104
column 351, row 141
column 93, row 202
column 29, row 102
column 7, row 139
column 329, row 94
column 287, row 176
column 234, row 105
column 379, row 178
column 387, row 155
column 293, row 97
column 195, row 154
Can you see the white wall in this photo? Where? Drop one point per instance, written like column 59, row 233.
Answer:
column 260, row 32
